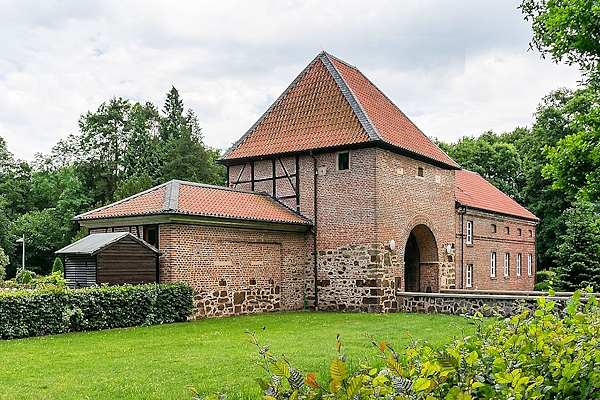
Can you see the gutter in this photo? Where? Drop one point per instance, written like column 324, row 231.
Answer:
column 315, row 227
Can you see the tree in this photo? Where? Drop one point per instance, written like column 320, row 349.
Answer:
column 578, row 256
column 554, row 119
column 492, row 157
column 574, row 162
column 566, row 30
column 102, row 145
column 43, row 236
column 569, row 31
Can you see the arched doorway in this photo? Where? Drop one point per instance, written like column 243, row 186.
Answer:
column 412, row 265
column 421, row 261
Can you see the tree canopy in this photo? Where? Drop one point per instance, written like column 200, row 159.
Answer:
column 121, row 149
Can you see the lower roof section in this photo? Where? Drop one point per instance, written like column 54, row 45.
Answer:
column 194, row 202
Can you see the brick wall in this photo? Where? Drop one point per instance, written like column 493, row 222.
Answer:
column 237, row 271
column 485, row 241
column 360, row 210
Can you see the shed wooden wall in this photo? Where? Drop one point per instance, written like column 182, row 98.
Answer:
column 80, row 271
column 126, row 262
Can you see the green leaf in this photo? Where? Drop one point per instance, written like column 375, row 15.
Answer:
column 421, row 384
column 280, row 369
column 354, row 386
column 338, row 370
column 504, row 378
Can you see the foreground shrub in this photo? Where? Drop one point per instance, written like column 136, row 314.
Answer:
column 31, row 281
column 550, row 354
column 38, row 312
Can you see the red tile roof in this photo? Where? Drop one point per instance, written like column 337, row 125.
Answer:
column 332, row 104
column 473, row 190
column 179, row 197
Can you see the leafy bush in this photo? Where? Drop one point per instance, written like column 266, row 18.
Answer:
column 550, row 354
column 38, row 312
column 3, row 263
column 58, row 266
column 21, row 274
column 544, row 280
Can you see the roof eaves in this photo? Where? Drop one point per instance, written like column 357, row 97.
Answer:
column 224, row 157
column 351, row 98
column 506, row 214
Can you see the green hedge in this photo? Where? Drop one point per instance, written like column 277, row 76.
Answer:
column 39, row 312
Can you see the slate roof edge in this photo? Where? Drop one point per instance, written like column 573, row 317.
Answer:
column 223, row 158
column 65, row 250
column 393, row 104
column 351, row 98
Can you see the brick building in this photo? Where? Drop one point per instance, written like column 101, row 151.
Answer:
column 335, row 200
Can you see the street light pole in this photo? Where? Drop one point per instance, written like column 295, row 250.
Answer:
column 22, row 240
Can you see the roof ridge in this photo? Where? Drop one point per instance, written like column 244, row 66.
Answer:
column 122, row 200
column 171, row 199
column 351, row 98
column 268, row 111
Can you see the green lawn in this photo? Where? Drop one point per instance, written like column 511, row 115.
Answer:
column 158, row 362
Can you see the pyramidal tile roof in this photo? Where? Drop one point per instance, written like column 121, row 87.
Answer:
column 332, row 104
column 472, row 190
column 180, row 197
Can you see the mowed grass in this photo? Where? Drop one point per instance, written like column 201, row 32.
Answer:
column 158, row 362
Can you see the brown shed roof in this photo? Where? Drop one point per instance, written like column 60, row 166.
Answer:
column 180, row 197
column 332, row 104
column 474, row 191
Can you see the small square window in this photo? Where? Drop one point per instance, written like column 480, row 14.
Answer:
column 519, row 231
column 493, row 228
column 420, row 171
column 343, row 161
column 530, row 233
column 508, row 230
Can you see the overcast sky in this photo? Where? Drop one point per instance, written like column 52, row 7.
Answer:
column 454, row 67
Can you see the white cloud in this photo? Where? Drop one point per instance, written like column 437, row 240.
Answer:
column 455, row 68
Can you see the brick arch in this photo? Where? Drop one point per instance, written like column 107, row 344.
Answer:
column 421, row 256
column 425, row 234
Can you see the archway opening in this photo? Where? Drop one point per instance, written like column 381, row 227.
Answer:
column 421, row 261
column 412, row 265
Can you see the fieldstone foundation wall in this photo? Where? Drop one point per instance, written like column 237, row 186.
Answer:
column 463, row 303
column 358, row 278
column 448, row 267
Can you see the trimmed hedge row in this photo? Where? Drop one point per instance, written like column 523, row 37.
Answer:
column 39, row 312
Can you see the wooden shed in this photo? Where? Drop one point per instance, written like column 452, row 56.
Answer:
column 113, row 258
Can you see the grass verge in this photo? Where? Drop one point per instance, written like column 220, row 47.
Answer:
column 158, row 362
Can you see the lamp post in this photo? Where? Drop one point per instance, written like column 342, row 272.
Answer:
column 22, row 240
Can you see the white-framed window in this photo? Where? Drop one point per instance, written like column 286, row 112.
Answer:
column 493, row 265
column 529, row 267
column 506, row 263
column 469, row 232
column 469, row 275
column 519, row 264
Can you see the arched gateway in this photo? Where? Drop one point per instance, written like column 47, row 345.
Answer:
column 421, row 261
